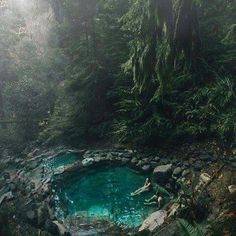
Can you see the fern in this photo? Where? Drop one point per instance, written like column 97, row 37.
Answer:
column 190, row 230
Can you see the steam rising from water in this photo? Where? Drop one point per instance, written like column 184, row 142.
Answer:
column 32, row 20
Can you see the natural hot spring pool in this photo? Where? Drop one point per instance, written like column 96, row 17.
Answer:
column 104, row 194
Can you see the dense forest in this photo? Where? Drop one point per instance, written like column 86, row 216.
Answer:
column 134, row 72
column 147, row 84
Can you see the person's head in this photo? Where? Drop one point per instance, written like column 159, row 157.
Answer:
column 157, row 192
column 148, row 180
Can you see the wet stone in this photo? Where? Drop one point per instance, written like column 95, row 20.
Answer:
column 146, row 168
column 134, row 160
column 177, row 172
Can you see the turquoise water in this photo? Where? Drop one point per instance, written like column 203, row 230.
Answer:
column 105, row 194
column 58, row 161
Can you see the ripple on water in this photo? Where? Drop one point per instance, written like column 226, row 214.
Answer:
column 105, row 194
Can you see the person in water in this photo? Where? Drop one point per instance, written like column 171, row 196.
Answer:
column 156, row 199
column 145, row 188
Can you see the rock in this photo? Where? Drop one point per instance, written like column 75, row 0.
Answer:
column 205, row 178
column 165, row 161
column 97, row 158
column 177, row 172
column 87, row 162
column 31, row 216
column 140, row 163
column 198, row 165
column 154, row 221
column 206, row 157
column 153, row 164
column 186, row 164
column 185, row 173
column 110, row 156
column 162, row 174
column 6, row 196
column 61, row 229
column 232, row 188
column 6, row 175
column 51, row 227
column 33, row 153
column 146, row 160
column 13, row 187
column 134, row 160
column 42, row 215
column 32, row 185
column 233, row 164
column 173, row 209
column 146, row 168
column 33, row 165
column 192, row 161
column 59, row 170
column 73, row 167
column 157, row 159
column 127, row 155
column 232, row 159
column 171, row 230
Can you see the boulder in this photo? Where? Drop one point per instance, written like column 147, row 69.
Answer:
column 177, row 172
column 154, row 221
column 185, row 173
column 134, row 160
column 61, row 228
column 205, row 178
column 87, row 162
column 42, row 214
column 205, row 157
column 186, row 164
column 146, row 160
column 6, row 175
column 162, row 174
column 153, row 164
column 31, row 216
column 232, row 159
column 146, row 168
column 6, row 196
column 232, row 188
column 198, row 165
column 140, row 163
column 51, row 227
column 109, row 156
column 13, row 187
column 127, row 155
column 59, row 170
column 98, row 158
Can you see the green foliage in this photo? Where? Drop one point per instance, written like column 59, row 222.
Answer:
column 186, row 88
column 96, row 53
column 144, row 72
column 190, row 230
column 30, row 67
column 194, row 202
